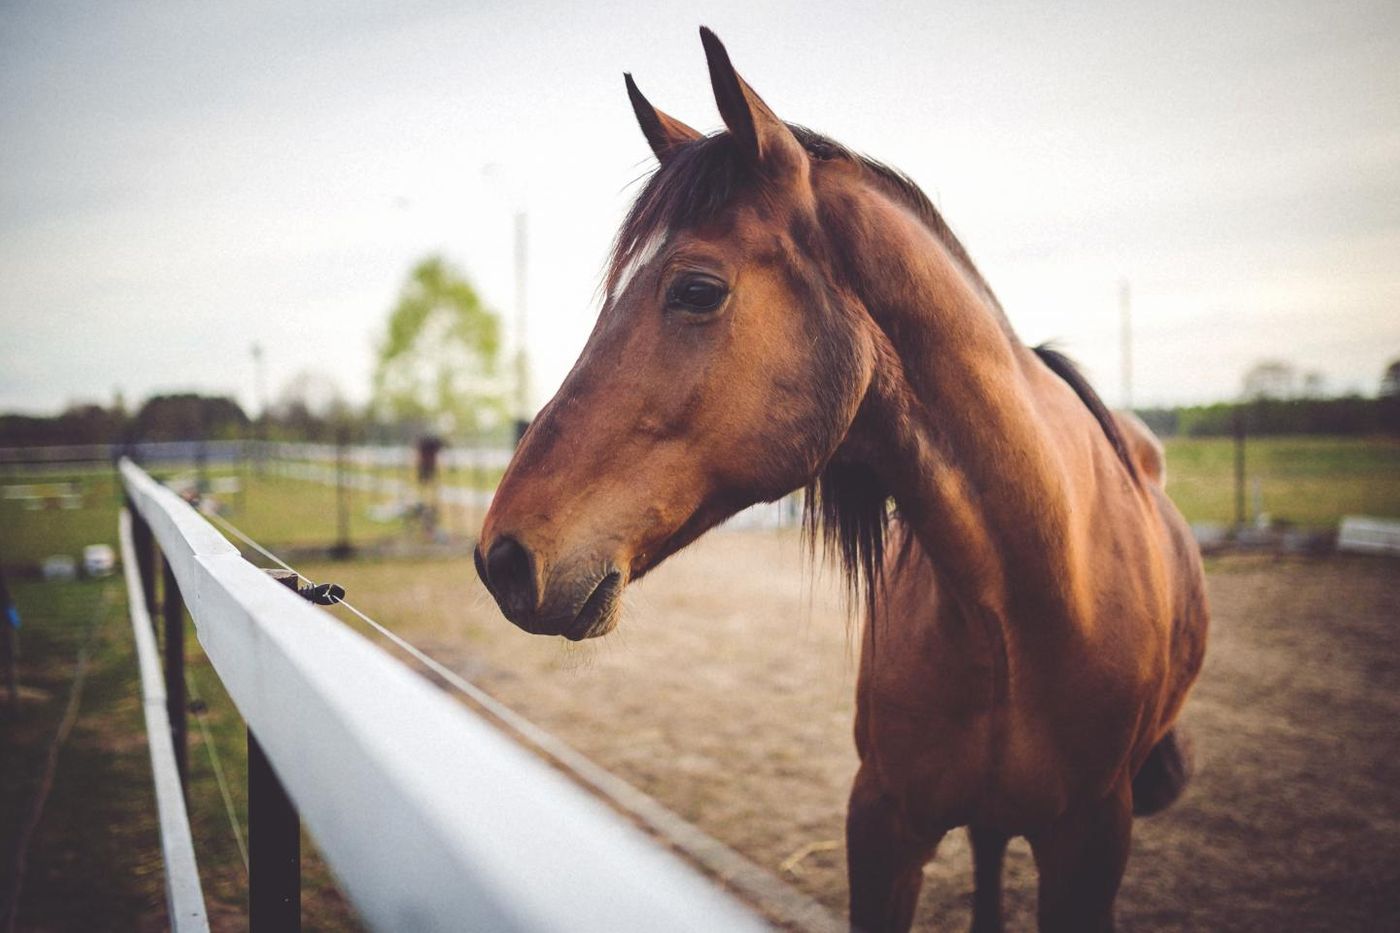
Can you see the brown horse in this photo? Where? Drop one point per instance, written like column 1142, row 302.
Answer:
column 782, row 313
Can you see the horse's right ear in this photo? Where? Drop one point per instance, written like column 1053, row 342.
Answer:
column 761, row 135
column 665, row 133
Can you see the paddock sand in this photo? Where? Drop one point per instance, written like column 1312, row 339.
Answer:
column 727, row 694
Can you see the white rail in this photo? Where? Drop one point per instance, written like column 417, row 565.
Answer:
column 429, row 818
column 183, row 894
column 1363, row 534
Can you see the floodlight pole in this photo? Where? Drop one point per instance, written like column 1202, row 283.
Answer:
column 522, row 362
column 259, row 425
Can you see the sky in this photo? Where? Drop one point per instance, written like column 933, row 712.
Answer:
column 181, row 181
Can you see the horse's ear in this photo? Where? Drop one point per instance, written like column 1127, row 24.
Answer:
column 665, row 133
column 760, row 134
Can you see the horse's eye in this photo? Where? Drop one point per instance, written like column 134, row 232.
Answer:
column 697, row 294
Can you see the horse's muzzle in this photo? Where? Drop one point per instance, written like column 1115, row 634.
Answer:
column 576, row 606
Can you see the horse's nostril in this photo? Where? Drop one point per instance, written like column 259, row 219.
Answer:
column 510, row 573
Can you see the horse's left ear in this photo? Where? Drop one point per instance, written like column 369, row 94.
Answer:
column 760, row 134
column 664, row 133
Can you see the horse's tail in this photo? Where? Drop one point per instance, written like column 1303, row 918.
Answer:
column 1164, row 775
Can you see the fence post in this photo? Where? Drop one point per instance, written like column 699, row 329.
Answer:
column 9, row 638
column 342, row 548
column 144, row 543
column 274, row 837
column 1239, row 426
column 173, row 610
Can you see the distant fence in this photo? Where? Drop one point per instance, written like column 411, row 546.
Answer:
column 364, row 467
column 1362, row 534
column 317, row 463
column 149, row 452
column 429, row 818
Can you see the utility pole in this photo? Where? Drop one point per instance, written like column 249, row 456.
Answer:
column 259, row 380
column 1239, row 431
column 260, row 424
column 522, row 362
column 1125, row 311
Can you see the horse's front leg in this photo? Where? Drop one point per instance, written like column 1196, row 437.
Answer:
column 1081, row 857
column 884, row 860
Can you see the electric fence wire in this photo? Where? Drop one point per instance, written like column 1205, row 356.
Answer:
column 757, row 885
column 217, row 764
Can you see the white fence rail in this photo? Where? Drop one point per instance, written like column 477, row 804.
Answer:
column 183, row 893
column 429, row 818
column 1362, row 534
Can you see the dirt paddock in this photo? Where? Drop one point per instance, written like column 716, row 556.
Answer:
column 727, row 694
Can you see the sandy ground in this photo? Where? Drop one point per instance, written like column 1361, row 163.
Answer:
column 727, row 694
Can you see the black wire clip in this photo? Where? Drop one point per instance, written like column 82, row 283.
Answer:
column 322, row 594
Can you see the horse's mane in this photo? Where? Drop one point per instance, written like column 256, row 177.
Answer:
column 701, row 177
column 845, row 505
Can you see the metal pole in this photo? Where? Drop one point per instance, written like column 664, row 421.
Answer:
column 9, row 620
column 342, row 548
column 1239, row 466
column 260, row 424
column 274, row 838
column 201, row 454
column 173, row 610
column 11, row 660
column 522, row 362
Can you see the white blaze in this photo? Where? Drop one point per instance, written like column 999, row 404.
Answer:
column 640, row 257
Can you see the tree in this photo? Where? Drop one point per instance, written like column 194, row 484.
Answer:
column 189, row 416
column 1270, row 379
column 310, row 406
column 1390, row 381
column 1390, row 398
column 439, row 361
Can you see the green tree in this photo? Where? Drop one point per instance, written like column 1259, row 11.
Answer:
column 439, row 361
column 188, row 416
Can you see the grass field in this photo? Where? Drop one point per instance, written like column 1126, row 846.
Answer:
column 1304, row 480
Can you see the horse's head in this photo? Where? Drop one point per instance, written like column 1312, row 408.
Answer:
column 725, row 369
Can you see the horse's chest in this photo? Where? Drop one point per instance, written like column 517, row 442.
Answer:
column 957, row 749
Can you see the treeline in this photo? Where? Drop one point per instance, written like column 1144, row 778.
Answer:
column 186, row 416
column 1351, row 414
column 190, row 416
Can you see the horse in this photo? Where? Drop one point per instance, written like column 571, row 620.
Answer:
column 780, row 313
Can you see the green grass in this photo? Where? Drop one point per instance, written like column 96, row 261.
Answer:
column 292, row 513
column 94, row 861
column 1311, row 481
column 29, row 535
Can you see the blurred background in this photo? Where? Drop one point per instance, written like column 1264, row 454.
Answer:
column 314, row 264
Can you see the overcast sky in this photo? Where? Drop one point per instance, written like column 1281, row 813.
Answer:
column 179, row 181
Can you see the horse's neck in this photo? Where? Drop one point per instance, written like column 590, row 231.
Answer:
column 968, row 432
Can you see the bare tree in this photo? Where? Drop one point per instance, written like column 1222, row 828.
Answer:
column 1270, row 379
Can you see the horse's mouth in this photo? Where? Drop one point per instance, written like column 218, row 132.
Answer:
column 598, row 616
